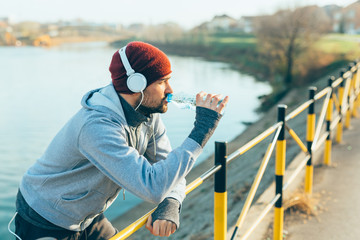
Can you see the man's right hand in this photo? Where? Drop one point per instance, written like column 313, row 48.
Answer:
column 211, row 101
column 208, row 115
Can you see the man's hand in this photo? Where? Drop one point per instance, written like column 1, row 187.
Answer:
column 162, row 228
column 211, row 101
column 165, row 219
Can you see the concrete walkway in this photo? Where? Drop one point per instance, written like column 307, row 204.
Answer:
column 338, row 191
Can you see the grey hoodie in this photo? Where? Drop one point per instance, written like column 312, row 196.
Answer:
column 90, row 160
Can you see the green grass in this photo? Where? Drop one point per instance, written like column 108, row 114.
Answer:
column 340, row 44
column 343, row 44
column 233, row 42
column 348, row 45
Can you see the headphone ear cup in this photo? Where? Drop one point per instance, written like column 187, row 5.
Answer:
column 136, row 82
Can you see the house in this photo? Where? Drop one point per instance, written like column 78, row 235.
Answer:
column 221, row 23
column 347, row 20
column 247, row 23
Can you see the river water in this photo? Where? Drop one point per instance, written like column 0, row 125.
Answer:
column 41, row 88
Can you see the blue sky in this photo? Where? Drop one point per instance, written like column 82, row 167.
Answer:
column 187, row 13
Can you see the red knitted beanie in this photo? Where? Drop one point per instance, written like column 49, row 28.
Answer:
column 145, row 59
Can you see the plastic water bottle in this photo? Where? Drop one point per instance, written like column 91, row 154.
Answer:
column 182, row 100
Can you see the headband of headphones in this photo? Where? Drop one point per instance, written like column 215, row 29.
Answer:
column 136, row 82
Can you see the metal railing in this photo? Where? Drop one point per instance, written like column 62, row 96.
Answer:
column 346, row 102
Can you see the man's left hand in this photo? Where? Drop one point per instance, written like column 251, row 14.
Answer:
column 162, row 228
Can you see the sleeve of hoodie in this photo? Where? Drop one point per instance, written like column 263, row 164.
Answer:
column 158, row 149
column 102, row 141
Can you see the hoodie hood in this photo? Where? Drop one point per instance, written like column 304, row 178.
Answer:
column 102, row 99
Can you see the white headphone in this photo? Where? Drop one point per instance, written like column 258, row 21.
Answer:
column 136, row 82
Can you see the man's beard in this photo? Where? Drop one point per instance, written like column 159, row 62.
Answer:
column 147, row 109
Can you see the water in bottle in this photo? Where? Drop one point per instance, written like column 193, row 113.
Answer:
column 182, row 100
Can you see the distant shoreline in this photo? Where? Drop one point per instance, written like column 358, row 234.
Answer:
column 57, row 41
column 60, row 41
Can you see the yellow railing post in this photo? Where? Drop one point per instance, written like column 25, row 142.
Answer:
column 329, row 113
column 309, row 138
column 349, row 104
column 340, row 123
column 279, row 176
column 357, row 80
column 356, row 89
column 220, row 194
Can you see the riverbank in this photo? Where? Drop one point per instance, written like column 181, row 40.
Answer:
column 56, row 41
column 197, row 212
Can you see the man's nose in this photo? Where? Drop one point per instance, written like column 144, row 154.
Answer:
column 168, row 89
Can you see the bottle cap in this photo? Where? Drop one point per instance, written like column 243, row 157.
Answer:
column 169, row 97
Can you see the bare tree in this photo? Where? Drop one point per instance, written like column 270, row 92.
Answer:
column 287, row 34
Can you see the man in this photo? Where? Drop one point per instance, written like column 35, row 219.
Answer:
column 116, row 141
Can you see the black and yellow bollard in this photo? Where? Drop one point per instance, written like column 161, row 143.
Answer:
column 309, row 138
column 279, row 176
column 220, row 194
column 339, row 130
column 329, row 116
